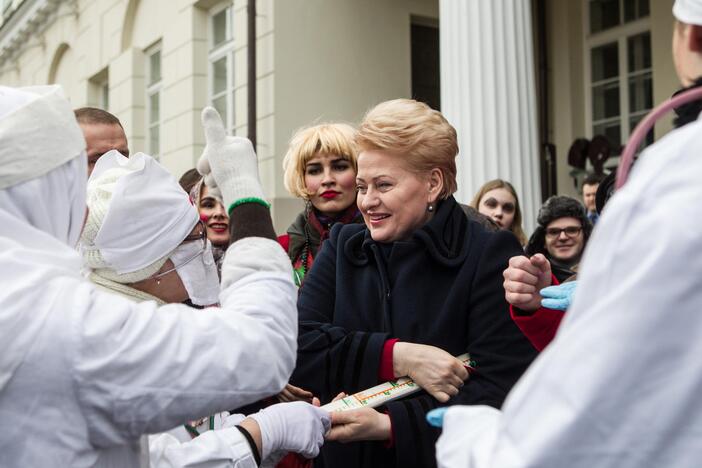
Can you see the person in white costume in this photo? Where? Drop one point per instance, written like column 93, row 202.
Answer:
column 621, row 384
column 143, row 240
column 84, row 373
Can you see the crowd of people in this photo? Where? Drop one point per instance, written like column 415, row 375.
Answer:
column 153, row 322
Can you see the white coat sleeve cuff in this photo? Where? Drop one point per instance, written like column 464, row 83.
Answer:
column 213, row 449
column 468, row 437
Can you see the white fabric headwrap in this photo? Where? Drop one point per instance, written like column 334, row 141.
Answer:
column 35, row 121
column 138, row 214
column 688, row 11
column 40, row 216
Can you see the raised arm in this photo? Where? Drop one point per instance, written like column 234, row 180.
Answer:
column 142, row 368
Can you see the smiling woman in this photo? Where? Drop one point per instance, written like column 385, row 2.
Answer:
column 418, row 284
column 214, row 216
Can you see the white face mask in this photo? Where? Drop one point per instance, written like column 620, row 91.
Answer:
column 198, row 272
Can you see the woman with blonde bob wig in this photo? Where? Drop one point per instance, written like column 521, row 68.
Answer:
column 320, row 168
column 498, row 200
column 418, row 284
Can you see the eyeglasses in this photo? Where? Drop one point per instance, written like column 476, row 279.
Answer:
column 570, row 231
column 198, row 237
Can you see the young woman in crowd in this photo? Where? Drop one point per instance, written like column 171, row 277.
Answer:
column 418, row 284
column 212, row 211
column 174, row 264
column 498, row 200
column 214, row 215
column 320, row 168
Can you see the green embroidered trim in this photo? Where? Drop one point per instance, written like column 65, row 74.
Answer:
column 298, row 276
column 241, row 201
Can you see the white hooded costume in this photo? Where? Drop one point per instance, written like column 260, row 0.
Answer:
column 84, row 373
column 138, row 216
column 621, row 384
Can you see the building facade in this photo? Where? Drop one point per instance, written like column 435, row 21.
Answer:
column 512, row 75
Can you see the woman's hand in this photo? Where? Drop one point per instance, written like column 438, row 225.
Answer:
column 292, row 393
column 359, row 424
column 432, row 368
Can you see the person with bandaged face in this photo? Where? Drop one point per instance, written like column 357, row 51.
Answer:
column 143, row 240
column 86, row 372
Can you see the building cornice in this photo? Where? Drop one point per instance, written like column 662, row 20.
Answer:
column 25, row 26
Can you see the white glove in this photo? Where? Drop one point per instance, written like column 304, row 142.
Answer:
column 293, row 427
column 228, row 163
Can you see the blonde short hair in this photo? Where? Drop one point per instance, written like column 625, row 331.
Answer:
column 417, row 133
column 310, row 142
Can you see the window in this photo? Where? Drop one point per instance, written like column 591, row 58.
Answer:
column 424, row 45
column 620, row 86
column 606, row 14
column 221, row 58
column 99, row 89
column 153, row 100
column 105, row 96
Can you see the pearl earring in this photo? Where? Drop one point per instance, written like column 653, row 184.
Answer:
column 430, row 208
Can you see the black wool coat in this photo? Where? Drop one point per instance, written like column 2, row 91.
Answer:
column 443, row 287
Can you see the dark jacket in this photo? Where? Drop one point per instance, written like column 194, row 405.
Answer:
column 306, row 235
column 441, row 288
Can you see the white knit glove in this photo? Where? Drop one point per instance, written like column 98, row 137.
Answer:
column 292, row 427
column 228, row 163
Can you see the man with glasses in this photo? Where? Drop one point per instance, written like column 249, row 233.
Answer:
column 561, row 235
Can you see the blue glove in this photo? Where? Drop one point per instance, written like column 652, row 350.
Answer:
column 435, row 417
column 558, row 297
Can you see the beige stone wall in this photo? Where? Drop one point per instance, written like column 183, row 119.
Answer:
column 317, row 60
column 109, row 37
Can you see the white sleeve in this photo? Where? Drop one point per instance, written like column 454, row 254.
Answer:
column 141, row 369
column 468, row 437
column 620, row 384
column 223, row 448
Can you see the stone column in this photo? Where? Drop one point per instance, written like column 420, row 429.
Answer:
column 488, row 93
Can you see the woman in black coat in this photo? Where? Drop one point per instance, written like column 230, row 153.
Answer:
column 404, row 295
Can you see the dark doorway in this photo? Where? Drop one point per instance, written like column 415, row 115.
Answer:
column 425, row 62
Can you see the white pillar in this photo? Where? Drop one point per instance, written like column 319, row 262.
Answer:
column 488, row 93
